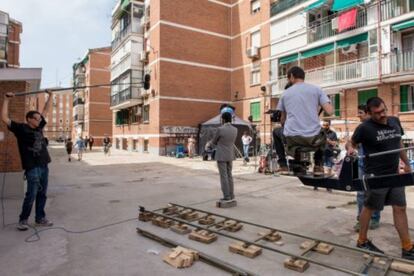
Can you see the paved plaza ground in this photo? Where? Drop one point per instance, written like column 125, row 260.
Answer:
column 103, row 190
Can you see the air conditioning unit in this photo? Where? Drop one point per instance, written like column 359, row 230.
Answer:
column 253, row 52
column 334, row 23
column 143, row 56
column 350, row 49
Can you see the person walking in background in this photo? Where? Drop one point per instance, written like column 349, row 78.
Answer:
column 191, row 146
column 107, row 145
column 69, row 147
column 246, row 140
column 91, row 141
column 80, row 145
column 86, row 141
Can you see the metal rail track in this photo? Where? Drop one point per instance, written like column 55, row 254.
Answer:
column 302, row 256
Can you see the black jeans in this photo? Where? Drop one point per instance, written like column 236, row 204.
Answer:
column 279, row 145
column 37, row 180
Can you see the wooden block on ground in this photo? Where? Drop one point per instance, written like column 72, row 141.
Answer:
column 307, row 244
column 162, row 222
column 324, row 248
column 181, row 229
column 145, row 216
column 230, row 225
column 402, row 267
column 188, row 214
column 207, row 220
column 250, row 251
column 202, row 236
column 181, row 257
column 271, row 236
column 297, row 265
column 170, row 210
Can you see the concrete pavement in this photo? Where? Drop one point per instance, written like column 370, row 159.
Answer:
column 102, row 190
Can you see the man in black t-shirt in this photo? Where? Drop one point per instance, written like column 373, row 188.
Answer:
column 377, row 134
column 35, row 159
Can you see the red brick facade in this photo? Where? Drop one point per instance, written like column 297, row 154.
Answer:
column 13, row 50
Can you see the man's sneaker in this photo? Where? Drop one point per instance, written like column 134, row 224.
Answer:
column 318, row 171
column 409, row 255
column 22, row 226
column 374, row 224
column 44, row 222
column 357, row 227
column 368, row 245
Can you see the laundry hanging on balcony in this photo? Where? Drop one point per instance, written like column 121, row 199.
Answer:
column 340, row 5
column 347, row 20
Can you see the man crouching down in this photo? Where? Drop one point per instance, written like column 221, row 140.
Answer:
column 299, row 105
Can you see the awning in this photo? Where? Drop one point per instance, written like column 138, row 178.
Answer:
column 289, row 59
column 340, row 5
column 403, row 25
column 318, row 51
column 352, row 40
column 315, row 5
column 124, row 4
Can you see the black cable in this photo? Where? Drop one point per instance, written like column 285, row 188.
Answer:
column 37, row 232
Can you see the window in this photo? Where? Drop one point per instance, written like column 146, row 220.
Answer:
column 373, row 44
column 406, row 98
column 146, row 144
column 255, row 75
column 273, row 69
column 254, row 6
column 133, row 117
column 255, row 111
column 255, row 39
column 335, row 101
column 364, row 95
column 145, row 113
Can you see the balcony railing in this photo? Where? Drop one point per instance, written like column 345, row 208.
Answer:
column 355, row 71
column 282, row 5
column 78, row 117
column 125, row 95
column 394, row 8
column 78, row 101
column 133, row 28
column 324, row 29
column 128, row 62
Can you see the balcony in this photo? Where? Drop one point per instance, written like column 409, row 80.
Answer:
column 130, row 61
column 324, row 29
column 78, row 101
column 394, row 67
column 126, row 98
column 283, row 5
column 394, row 8
column 133, row 28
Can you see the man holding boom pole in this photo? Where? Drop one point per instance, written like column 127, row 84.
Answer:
column 35, row 159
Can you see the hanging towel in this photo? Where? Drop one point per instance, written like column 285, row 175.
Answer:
column 347, row 20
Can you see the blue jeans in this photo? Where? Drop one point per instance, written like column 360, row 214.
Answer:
column 360, row 201
column 37, row 179
column 246, row 151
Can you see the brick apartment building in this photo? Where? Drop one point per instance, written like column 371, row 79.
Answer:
column 91, row 113
column 203, row 53
column 59, row 117
column 352, row 49
column 10, row 31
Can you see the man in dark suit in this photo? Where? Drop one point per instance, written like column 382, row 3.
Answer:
column 224, row 141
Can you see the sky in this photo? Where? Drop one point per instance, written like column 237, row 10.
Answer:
column 58, row 33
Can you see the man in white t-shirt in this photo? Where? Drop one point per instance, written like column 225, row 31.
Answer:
column 246, row 140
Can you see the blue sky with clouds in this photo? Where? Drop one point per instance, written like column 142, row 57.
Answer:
column 56, row 33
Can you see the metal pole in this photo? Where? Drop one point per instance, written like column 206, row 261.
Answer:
column 67, row 88
column 385, row 152
column 261, row 245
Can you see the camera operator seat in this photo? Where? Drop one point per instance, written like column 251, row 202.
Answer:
column 301, row 160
